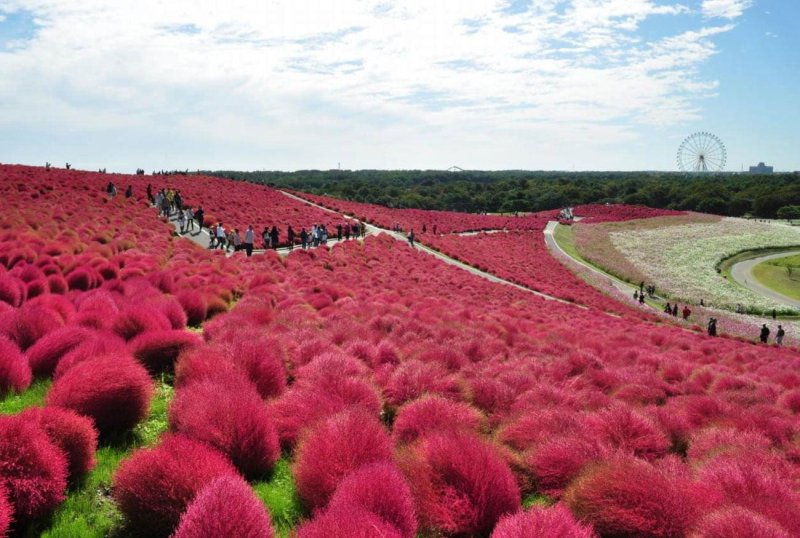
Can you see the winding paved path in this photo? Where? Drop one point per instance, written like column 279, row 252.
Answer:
column 742, row 273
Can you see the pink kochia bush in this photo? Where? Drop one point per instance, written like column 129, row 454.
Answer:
column 461, row 484
column 15, row 373
column 74, row 434
column 335, row 448
column 158, row 350
column 381, row 490
column 538, row 522
column 32, row 468
column 738, row 521
column 431, row 414
column 348, row 523
column 114, row 391
column 6, row 511
column 626, row 496
column 227, row 506
column 230, row 416
column 44, row 355
column 154, row 486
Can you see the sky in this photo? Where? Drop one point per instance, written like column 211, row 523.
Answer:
column 407, row 84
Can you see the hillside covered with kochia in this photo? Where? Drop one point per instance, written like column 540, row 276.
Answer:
column 372, row 387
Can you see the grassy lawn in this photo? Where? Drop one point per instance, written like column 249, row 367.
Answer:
column 781, row 275
column 726, row 264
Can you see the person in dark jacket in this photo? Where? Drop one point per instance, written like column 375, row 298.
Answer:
column 764, row 336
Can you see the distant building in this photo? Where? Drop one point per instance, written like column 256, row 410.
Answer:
column 761, row 169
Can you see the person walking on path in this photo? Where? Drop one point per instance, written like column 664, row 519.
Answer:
column 249, row 239
column 129, row 191
column 265, row 241
column 303, row 239
column 641, row 298
column 675, row 310
column 339, row 231
column 764, row 336
column 182, row 221
column 189, row 219
column 411, row 237
column 274, row 237
column 686, row 312
column 347, row 231
column 668, row 309
column 150, row 193
column 779, row 335
column 290, row 237
column 236, row 240
column 220, row 236
column 635, row 295
column 712, row 327
column 198, row 216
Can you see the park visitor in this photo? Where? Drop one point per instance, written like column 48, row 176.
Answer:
column 764, row 336
column 249, row 239
column 779, row 335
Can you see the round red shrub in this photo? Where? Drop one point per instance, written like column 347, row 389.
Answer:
column 194, row 305
column 460, row 483
column 137, row 319
column 204, row 362
column 57, row 284
column 80, row 279
column 74, row 434
column 12, row 290
column 32, row 468
column 306, row 403
column 540, row 522
column 44, row 355
column 6, row 511
column 555, row 463
column 15, row 373
column 335, row 448
column 381, row 490
column 622, row 428
column 431, row 414
column 626, row 496
column 260, row 358
column 227, row 506
column 100, row 343
column 114, row 391
column 738, row 521
column 154, row 486
column 158, row 350
column 231, row 417
column 33, row 322
column 347, row 523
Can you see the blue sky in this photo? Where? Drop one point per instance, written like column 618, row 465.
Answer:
column 481, row 84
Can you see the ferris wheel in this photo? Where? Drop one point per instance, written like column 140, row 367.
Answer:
column 702, row 152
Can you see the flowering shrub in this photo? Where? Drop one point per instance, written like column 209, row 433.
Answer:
column 154, row 486
column 44, row 355
column 15, row 373
column 6, row 511
column 555, row 522
column 225, row 507
column 113, row 391
column 74, row 434
column 32, row 469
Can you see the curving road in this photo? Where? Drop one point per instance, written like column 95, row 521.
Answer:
column 742, row 273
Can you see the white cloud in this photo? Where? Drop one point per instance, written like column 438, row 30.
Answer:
column 320, row 78
column 725, row 9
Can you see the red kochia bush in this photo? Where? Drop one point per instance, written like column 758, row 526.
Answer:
column 557, row 461
column 539, row 522
column 137, row 319
column 15, row 374
column 629, row 497
column 381, row 490
column 6, row 511
column 227, row 506
column 101, row 343
column 230, row 416
column 260, row 359
column 335, row 448
column 158, row 350
column 622, row 428
column 347, row 523
column 33, row 322
column 74, row 434
column 738, row 521
column 431, row 414
column 194, row 305
column 461, row 484
column 114, row 391
column 44, row 355
column 154, row 486
column 32, row 468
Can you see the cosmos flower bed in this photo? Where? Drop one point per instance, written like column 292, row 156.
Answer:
column 445, row 221
column 682, row 259
column 408, row 396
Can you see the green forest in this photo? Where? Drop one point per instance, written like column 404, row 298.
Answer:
column 511, row 191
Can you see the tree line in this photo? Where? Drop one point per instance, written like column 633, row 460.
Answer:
column 737, row 195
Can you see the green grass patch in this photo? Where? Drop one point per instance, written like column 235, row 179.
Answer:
column 781, row 275
column 565, row 237
column 537, row 499
column 14, row 402
column 89, row 510
column 280, row 496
